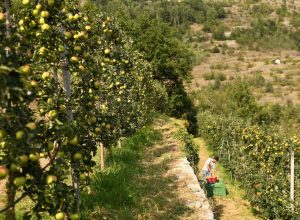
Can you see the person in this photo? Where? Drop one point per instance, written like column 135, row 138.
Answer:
column 209, row 166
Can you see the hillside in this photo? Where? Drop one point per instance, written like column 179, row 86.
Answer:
column 272, row 83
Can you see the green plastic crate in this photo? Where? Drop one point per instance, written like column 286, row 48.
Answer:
column 216, row 189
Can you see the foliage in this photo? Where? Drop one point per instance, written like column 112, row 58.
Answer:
column 190, row 148
column 235, row 99
column 68, row 82
column 249, row 153
column 264, row 33
column 162, row 46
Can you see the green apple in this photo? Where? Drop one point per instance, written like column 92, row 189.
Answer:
column 45, row 75
column 45, row 14
column 75, row 216
column 31, row 125
column 13, row 168
column 107, row 51
column 81, row 67
column 82, row 176
column 67, row 34
column 25, row 2
column 59, row 216
column 88, row 27
column 77, row 48
column 74, row 59
column 3, row 172
column 76, row 16
column 22, row 28
column 32, row 23
column 97, row 98
column 74, row 141
column 1, row 16
column 34, row 157
column 2, row 134
column 42, row 155
column 20, row 181
column 35, row 12
column 25, row 69
column 21, row 22
column 94, row 119
column 20, row 135
column 51, row 179
column 62, row 107
column 41, row 21
column 38, row 6
column 97, row 84
column 97, row 130
column 51, row 2
column 70, row 17
column 60, row 153
column 53, row 114
column 77, row 156
column 45, row 27
column 42, row 50
column 50, row 101
column 23, row 159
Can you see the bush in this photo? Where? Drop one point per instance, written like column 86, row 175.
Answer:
column 209, row 76
column 215, row 49
column 219, row 32
column 190, row 148
column 269, row 87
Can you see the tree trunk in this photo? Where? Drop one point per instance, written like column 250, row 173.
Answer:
column 11, row 193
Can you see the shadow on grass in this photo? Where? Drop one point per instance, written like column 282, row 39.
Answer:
column 131, row 188
column 218, row 209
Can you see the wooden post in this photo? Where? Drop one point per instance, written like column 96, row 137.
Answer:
column 292, row 188
column 101, row 156
column 8, row 20
column 67, row 88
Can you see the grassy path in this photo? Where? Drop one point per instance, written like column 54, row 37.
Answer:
column 233, row 206
column 142, row 180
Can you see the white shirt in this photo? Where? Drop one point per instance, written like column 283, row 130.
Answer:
column 209, row 165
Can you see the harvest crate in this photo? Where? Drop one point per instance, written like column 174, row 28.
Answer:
column 216, row 189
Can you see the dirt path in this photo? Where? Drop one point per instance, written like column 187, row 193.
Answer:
column 166, row 160
column 231, row 207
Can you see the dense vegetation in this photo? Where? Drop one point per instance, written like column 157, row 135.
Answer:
column 246, row 136
column 68, row 82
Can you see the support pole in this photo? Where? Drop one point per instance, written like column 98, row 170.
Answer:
column 292, row 192
column 8, row 20
column 101, row 156
column 74, row 166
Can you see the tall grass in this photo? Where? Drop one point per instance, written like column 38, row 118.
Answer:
column 113, row 192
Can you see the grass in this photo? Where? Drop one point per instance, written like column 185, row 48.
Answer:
column 133, row 186
column 112, row 191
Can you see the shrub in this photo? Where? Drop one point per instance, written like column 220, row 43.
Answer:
column 269, row 87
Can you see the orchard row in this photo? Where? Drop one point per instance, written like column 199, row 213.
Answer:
column 68, row 82
column 259, row 159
